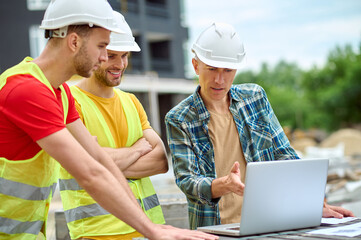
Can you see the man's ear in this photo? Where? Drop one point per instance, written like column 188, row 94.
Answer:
column 74, row 41
column 195, row 65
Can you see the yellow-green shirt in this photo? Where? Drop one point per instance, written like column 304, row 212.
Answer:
column 112, row 111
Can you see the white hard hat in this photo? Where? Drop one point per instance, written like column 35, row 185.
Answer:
column 122, row 42
column 220, row 46
column 62, row 13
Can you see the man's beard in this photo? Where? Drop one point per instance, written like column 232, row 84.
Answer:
column 101, row 75
column 82, row 64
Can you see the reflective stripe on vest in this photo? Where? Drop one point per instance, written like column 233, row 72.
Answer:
column 25, row 191
column 93, row 210
column 72, row 185
column 27, row 186
column 84, row 216
column 11, row 226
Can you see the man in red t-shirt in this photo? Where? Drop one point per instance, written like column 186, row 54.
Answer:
column 38, row 119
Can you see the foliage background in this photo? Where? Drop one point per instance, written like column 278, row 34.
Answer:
column 327, row 97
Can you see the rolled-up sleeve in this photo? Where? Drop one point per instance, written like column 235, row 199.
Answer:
column 189, row 175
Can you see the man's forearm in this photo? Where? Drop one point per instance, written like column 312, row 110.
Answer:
column 107, row 162
column 154, row 162
column 219, row 187
column 123, row 157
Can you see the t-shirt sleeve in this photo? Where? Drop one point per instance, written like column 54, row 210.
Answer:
column 142, row 114
column 36, row 111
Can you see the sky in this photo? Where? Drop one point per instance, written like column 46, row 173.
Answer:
column 297, row 31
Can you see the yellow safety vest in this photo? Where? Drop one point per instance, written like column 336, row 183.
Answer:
column 83, row 215
column 27, row 186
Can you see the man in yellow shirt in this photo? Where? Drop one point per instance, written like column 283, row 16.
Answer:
column 121, row 126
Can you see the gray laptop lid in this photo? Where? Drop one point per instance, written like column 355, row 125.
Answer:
column 280, row 195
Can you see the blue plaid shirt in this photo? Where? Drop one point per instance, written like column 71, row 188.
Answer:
column 260, row 134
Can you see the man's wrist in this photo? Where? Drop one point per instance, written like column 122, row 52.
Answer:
column 136, row 152
column 222, row 186
column 150, row 230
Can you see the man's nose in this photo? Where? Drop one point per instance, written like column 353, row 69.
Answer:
column 219, row 78
column 103, row 56
column 120, row 64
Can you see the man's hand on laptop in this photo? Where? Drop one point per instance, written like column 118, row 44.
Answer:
column 330, row 211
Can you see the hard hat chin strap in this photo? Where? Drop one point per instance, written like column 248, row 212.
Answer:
column 61, row 32
column 58, row 33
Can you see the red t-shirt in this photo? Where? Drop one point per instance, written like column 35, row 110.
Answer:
column 29, row 112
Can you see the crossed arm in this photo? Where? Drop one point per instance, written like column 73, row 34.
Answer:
column 144, row 158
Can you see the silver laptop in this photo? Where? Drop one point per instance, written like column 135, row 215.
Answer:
column 278, row 196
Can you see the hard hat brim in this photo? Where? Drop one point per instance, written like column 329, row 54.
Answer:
column 133, row 48
column 221, row 64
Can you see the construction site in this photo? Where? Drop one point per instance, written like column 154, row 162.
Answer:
column 315, row 112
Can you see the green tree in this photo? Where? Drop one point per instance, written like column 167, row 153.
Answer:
column 335, row 90
column 327, row 97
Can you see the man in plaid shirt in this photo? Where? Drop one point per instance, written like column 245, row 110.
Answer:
column 213, row 133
